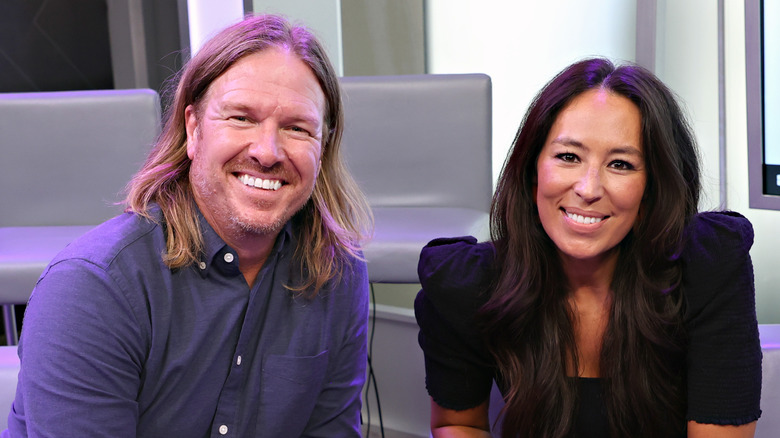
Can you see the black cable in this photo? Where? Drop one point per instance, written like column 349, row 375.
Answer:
column 371, row 375
column 370, row 370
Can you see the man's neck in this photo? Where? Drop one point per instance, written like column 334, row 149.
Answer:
column 252, row 252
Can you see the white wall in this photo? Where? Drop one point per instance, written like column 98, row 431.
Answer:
column 687, row 61
column 523, row 44
column 322, row 17
column 207, row 17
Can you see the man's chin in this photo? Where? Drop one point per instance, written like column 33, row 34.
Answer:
column 268, row 227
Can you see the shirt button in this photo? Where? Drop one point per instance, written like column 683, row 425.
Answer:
column 202, row 265
column 223, row 430
column 238, row 361
column 229, row 257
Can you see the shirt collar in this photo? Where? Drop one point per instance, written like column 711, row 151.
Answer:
column 216, row 253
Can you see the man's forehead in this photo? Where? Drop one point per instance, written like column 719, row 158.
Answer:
column 271, row 72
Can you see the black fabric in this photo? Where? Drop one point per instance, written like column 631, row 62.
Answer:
column 459, row 370
column 591, row 419
column 724, row 352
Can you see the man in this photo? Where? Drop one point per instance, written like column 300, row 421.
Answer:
column 230, row 299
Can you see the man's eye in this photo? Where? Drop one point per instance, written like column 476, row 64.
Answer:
column 299, row 129
column 240, row 118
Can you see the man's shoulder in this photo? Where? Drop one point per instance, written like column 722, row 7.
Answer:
column 352, row 283
column 123, row 234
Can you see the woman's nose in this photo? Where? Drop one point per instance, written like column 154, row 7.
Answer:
column 589, row 186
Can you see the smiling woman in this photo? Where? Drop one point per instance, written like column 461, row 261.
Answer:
column 604, row 304
column 591, row 176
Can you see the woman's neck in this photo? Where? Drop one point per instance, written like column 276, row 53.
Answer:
column 590, row 275
column 590, row 300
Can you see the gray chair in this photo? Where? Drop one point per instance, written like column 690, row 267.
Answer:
column 420, row 148
column 66, row 157
column 9, row 370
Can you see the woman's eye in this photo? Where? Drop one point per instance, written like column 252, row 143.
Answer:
column 567, row 157
column 621, row 165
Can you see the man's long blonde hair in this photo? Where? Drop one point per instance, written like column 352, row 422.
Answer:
column 333, row 222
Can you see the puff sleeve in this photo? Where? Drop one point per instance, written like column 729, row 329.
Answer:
column 724, row 351
column 454, row 274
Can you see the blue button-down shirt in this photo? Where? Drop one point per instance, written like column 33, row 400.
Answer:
column 116, row 344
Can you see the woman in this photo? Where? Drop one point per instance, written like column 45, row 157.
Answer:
column 604, row 305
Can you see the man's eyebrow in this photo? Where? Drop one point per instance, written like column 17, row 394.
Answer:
column 304, row 115
column 235, row 106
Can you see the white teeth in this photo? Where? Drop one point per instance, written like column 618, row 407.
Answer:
column 260, row 183
column 583, row 219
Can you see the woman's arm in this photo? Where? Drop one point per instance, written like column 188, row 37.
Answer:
column 468, row 423
column 699, row 430
column 724, row 350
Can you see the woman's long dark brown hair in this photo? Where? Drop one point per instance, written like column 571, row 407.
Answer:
column 527, row 321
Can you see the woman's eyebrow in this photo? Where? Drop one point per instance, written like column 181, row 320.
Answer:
column 571, row 142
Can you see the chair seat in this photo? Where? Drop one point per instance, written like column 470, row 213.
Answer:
column 24, row 254
column 401, row 232
column 9, row 370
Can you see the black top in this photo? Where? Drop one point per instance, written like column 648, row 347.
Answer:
column 724, row 353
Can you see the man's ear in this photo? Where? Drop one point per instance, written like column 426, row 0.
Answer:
column 191, row 127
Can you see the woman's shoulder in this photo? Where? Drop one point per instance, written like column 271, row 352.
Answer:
column 455, row 273
column 717, row 237
column 716, row 259
column 455, row 262
column 720, row 320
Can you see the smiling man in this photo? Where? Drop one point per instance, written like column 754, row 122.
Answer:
column 231, row 298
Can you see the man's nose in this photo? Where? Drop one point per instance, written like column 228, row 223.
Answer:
column 589, row 186
column 267, row 147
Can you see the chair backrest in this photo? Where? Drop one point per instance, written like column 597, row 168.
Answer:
column 65, row 157
column 420, row 140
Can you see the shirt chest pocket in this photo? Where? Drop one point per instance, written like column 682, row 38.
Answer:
column 290, row 386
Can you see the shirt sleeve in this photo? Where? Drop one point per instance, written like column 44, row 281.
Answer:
column 337, row 410
column 724, row 351
column 80, row 373
column 459, row 370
